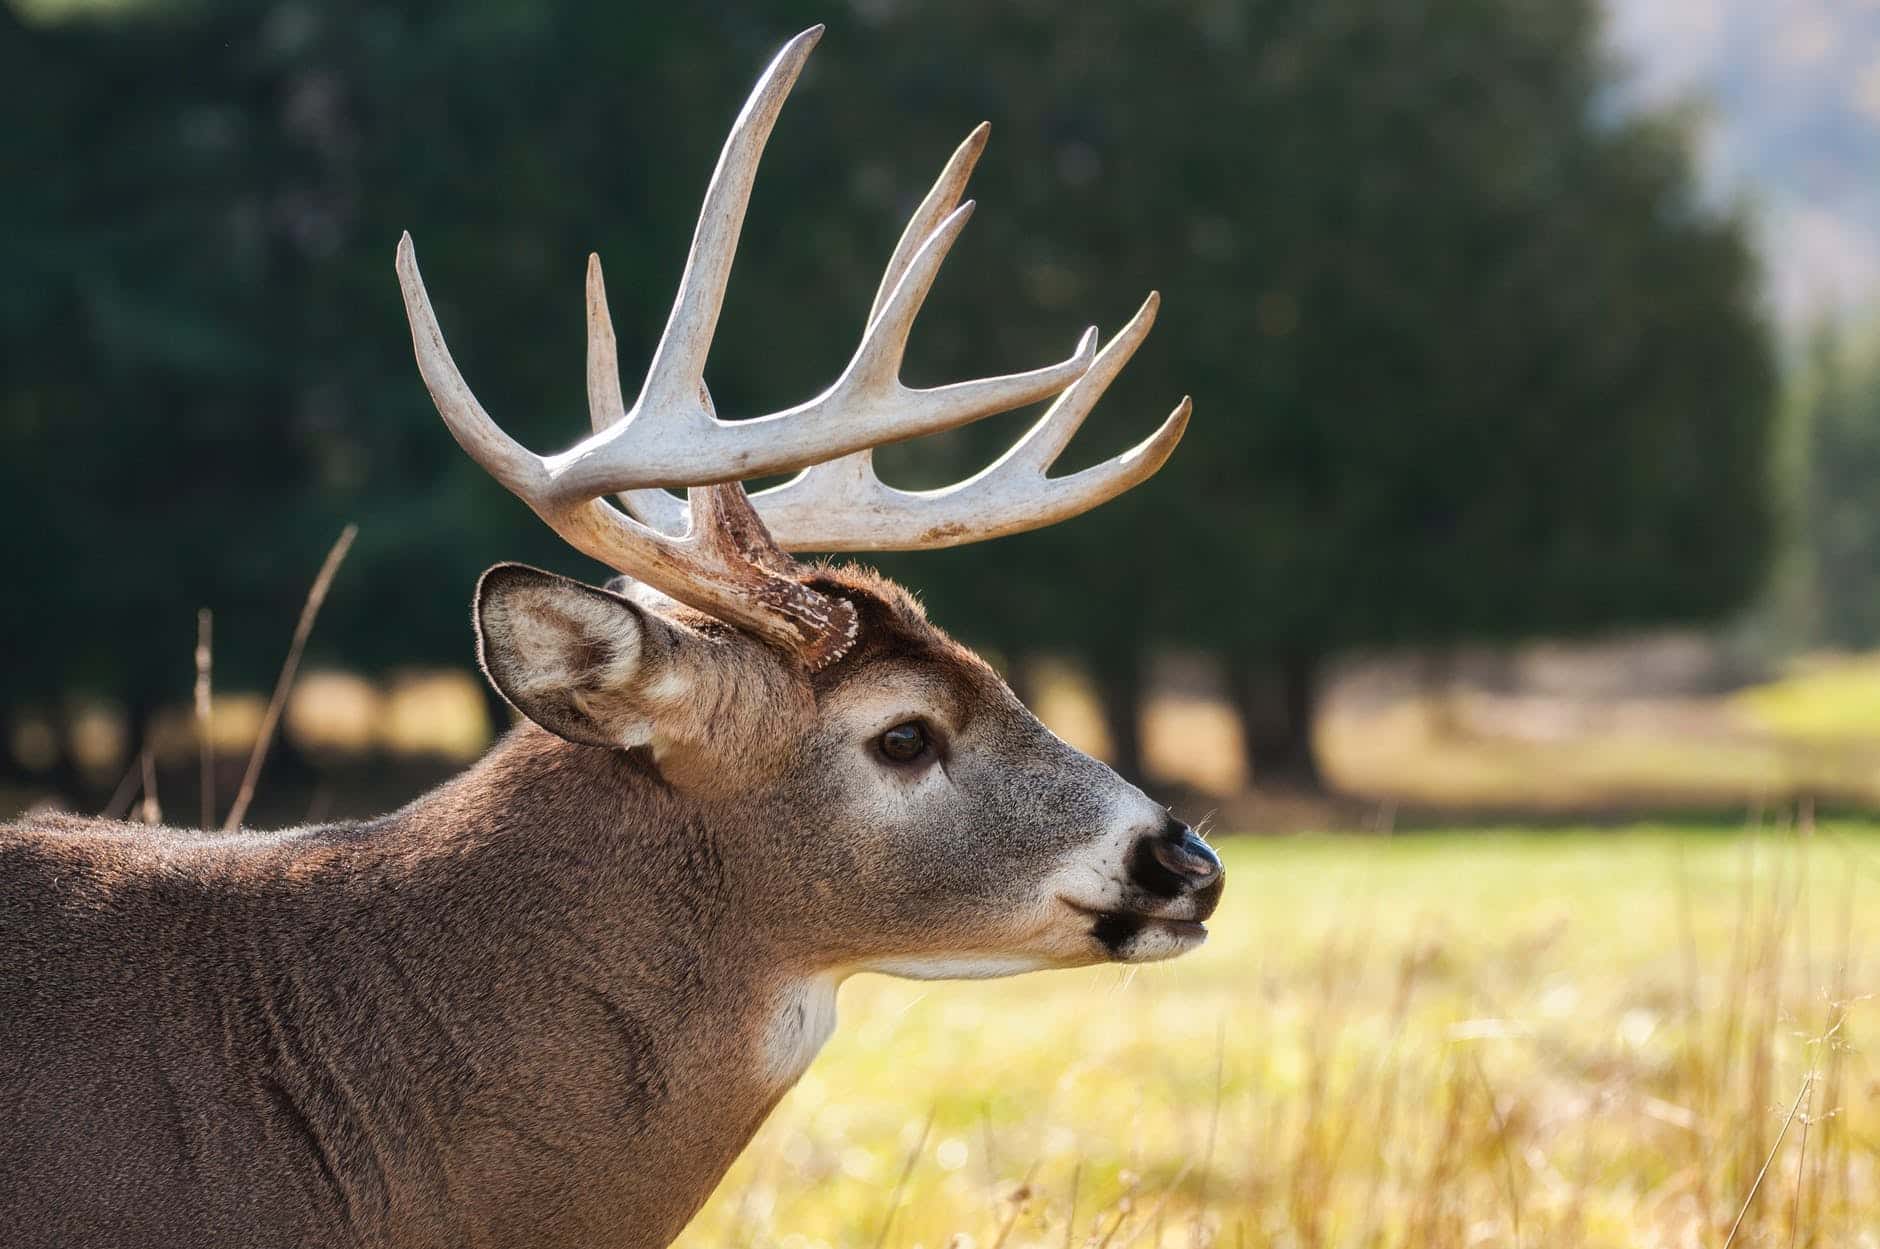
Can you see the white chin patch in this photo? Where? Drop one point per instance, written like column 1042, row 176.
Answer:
column 957, row 966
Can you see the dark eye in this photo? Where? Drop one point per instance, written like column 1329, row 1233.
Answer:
column 904, row 743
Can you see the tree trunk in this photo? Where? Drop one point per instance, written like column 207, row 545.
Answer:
column 1278, row 706
column 139, row 714
column 1119, row 691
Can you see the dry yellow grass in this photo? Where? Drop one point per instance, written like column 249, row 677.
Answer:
column 1472, row 1039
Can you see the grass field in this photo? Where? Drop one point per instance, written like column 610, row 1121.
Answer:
column 1533, row 1039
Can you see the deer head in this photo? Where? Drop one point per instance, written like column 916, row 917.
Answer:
column 909, row 814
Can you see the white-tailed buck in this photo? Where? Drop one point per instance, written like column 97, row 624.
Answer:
column 548, row 1004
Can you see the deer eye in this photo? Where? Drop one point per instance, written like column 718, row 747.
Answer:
column 903, row 743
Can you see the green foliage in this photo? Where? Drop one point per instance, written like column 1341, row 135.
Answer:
column 1468, row 360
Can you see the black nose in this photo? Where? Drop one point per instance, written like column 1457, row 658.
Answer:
column 1185, row 856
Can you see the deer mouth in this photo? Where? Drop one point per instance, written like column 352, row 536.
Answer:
column 1122, row 932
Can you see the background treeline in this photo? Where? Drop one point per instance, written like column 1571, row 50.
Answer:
column 1471, row 358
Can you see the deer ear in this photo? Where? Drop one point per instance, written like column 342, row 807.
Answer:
column 585, row 664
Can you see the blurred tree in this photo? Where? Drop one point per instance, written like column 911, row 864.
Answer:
column 206, row 368
column 1468, row 359
column 1839, row 411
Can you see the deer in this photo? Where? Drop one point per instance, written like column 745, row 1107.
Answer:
column 550, row 1002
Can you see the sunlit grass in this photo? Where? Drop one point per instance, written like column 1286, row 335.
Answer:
column 1826, row 699
column 1496, row 1039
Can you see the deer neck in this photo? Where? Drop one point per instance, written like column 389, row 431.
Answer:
column 566, row 947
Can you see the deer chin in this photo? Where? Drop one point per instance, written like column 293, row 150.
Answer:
column 959, row 966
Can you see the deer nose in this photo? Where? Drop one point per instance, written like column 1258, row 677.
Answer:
column 1185, row 856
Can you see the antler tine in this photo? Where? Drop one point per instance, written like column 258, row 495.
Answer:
column 674, row 377
column 522, row 471
column 650, row 505
column 940, row 201
column 1045, row 441
column 844, row 506
column 605, row 404
column 677, row 370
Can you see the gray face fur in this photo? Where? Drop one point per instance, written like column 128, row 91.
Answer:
column 999, row 849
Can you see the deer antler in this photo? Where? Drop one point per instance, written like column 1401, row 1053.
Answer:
column 714, row 552
column 841, row 505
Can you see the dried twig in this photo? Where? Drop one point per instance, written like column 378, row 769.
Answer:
column 1794, row 1109
column 152, row 811
column 205, row 747
column 126, row 790
column 315, row 597
column 1121, row 1215
column 1801, row 1166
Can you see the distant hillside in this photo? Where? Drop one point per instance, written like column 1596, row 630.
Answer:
column 1791, row 91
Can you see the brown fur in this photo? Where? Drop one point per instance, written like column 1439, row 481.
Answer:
column 544, row 1004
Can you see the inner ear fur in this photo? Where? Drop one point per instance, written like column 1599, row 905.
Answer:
column 588, row 665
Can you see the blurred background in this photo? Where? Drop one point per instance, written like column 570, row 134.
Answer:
column 1536, row 369
column 1530, row 341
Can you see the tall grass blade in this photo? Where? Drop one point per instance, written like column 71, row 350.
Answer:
column 285, row 683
